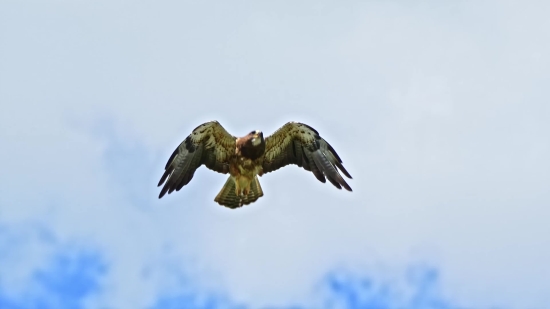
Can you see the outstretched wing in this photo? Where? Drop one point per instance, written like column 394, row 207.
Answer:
column 209, row 144
column 300, row 144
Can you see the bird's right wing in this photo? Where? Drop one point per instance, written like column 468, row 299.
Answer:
column 209, row 144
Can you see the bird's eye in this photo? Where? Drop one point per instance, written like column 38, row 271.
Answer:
column 253, row 132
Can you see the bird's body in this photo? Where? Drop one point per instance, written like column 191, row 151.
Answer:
column 246, row 164
column 248, row 157
column 243, row 170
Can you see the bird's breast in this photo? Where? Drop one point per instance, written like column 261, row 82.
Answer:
column 244, row 166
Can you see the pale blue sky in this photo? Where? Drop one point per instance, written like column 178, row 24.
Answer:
column 438, row 109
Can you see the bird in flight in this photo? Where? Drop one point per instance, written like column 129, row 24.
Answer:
column 245, row 158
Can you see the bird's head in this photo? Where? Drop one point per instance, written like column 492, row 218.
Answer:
column 257, row 138
column 252, row 145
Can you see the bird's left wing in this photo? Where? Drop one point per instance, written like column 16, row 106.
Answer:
column 300, row 144
column 209, row 144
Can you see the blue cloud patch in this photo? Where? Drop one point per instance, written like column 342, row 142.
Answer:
column 68, row 278
column 71, row 276
column 195, row 300
column 419, row 289
column 65, row 283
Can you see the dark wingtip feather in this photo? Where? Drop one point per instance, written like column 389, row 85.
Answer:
column 346, row 186
column 334, row 182
column 163, row 191
column 343, row 170
column 329, row 170
column 319, row 175
column 333, row 152
column 164, row 176
column 338, row 161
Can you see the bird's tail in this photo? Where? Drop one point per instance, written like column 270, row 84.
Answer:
column 228, row 198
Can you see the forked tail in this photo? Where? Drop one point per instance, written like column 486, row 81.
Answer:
column 228, row 198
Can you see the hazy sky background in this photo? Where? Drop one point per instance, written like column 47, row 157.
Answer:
column 439, row 110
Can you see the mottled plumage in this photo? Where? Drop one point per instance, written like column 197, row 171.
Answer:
column 250, row 156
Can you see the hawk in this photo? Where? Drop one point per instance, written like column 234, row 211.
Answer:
column 245, row 158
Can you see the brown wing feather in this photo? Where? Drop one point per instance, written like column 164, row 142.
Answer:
column 300, row 144
column 209, row 144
